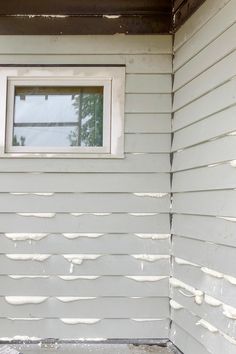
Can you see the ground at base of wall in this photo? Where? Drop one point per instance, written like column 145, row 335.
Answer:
column 94, row 349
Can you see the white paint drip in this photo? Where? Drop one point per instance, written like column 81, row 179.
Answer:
column 112, row 17
column 227, row 218
column 143, row 214
column 150, row 257
column 232, row 133
column 43, row 194
column 73, row 298
column 184, row 294
column 199, row 299
column 154, row 236
column 233, row 163
column 33, row 16
column 79, row 258
column 74, row 321
column 229, row 312
column 212, row 272
column 23, row 300
column 153, row 195
column 77, row 214
column 175, row 305
column 214, row 165
column 29, row 276
column 72, row 236
column 24, row 237
column 179, row 284
column 229, row 339
column 146, row 278
column 28, row 257
column 230, row 279
column 212, row 301
column 207, row 325
column 181, row 261
column 76, row 277
column 38, row 215
column 101, row 214
column 71, row 268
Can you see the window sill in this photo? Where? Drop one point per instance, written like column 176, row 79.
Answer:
column 61, row 156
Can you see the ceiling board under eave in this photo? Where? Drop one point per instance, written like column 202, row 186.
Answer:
column 71, row 17
column 85, row 7
column 85, row 17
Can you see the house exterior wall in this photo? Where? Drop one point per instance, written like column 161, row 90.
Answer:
column 204, row 182
column 91, row 186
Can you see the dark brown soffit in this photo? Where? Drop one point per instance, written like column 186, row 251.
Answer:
column 183, row 9
column 70, row 17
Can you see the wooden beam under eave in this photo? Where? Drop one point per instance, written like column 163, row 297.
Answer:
column 82, row 25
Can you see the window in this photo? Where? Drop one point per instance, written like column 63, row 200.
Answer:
column 64, row 112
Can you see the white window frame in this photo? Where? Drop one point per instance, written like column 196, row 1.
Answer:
column 111, row 78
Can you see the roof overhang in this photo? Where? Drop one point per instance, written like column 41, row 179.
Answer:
column 93, row 16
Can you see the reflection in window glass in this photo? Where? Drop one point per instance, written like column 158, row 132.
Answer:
column 58, row 116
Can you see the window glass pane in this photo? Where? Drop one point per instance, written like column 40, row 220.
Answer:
column 58, row 116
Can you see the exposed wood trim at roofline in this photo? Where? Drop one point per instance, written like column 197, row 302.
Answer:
column 182, row 10
column 85, row 25
column 71, row 17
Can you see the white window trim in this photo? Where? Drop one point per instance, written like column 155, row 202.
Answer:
column 111, row 78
